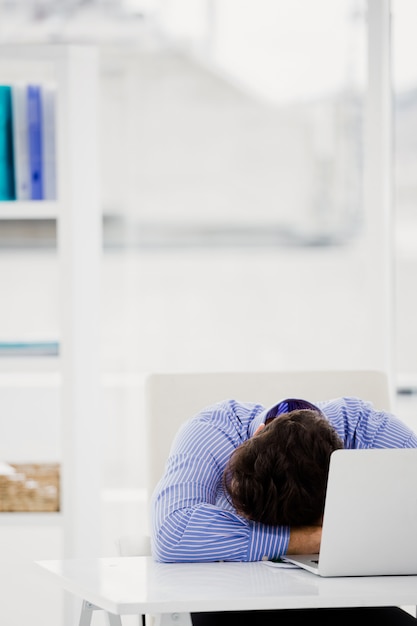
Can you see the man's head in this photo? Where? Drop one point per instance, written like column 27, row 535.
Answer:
column 279, row 476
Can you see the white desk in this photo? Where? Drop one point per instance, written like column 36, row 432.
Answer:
column 138, row 585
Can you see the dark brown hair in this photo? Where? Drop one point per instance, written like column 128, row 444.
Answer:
column 279, row 476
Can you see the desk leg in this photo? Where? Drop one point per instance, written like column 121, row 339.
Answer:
column 87, row 613
column 114, row 620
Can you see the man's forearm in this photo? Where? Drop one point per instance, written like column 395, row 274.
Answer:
column 304, row 540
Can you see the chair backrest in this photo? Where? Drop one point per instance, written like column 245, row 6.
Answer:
column 171, row 399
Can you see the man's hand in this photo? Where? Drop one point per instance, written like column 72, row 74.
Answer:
column 304, row 540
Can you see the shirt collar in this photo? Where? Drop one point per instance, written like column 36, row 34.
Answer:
column 262, row 417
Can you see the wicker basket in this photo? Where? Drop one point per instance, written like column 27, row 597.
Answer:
column 33, row 487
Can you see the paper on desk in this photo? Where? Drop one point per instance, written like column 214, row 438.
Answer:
column 281, row 564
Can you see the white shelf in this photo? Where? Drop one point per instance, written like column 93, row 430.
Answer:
column 114, row 496
column 53, row 518
column 16, row 365
column 30, row 378
column 33, row 210
column 73, row 69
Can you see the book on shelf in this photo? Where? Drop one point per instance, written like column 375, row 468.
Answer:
column 20, row 142
column 49, row 141
column 7, row 184
column 35, row 141
column 29, row 348
column 27, row 142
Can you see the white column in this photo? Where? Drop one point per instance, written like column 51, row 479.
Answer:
column 80, row 248
column 378, row 184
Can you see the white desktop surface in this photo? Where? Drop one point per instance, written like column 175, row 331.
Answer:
column 136, row 585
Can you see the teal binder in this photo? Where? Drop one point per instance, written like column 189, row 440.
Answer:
column 7, row 181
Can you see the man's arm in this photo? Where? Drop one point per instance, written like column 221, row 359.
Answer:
column 191, row 517
column 304, row 540
column 360, row 425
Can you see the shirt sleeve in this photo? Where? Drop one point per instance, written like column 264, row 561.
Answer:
column 360, row 425
column 191, row 518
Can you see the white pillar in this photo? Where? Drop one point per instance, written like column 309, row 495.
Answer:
column 80, row 249
column 378, row 168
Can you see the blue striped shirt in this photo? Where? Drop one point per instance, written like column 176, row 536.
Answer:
column 192, row 520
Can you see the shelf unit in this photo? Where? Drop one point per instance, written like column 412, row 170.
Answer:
column 36, row 209
column 74, row 71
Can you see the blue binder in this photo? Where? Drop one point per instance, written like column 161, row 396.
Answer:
column 34, row 96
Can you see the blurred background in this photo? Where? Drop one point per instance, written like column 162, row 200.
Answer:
column 236, row 230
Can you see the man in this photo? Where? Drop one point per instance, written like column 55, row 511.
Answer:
column 245, row 483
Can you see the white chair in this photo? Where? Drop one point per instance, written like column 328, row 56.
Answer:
column 171, row 399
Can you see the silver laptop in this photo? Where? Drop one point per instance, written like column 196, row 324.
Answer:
column 370, row 515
